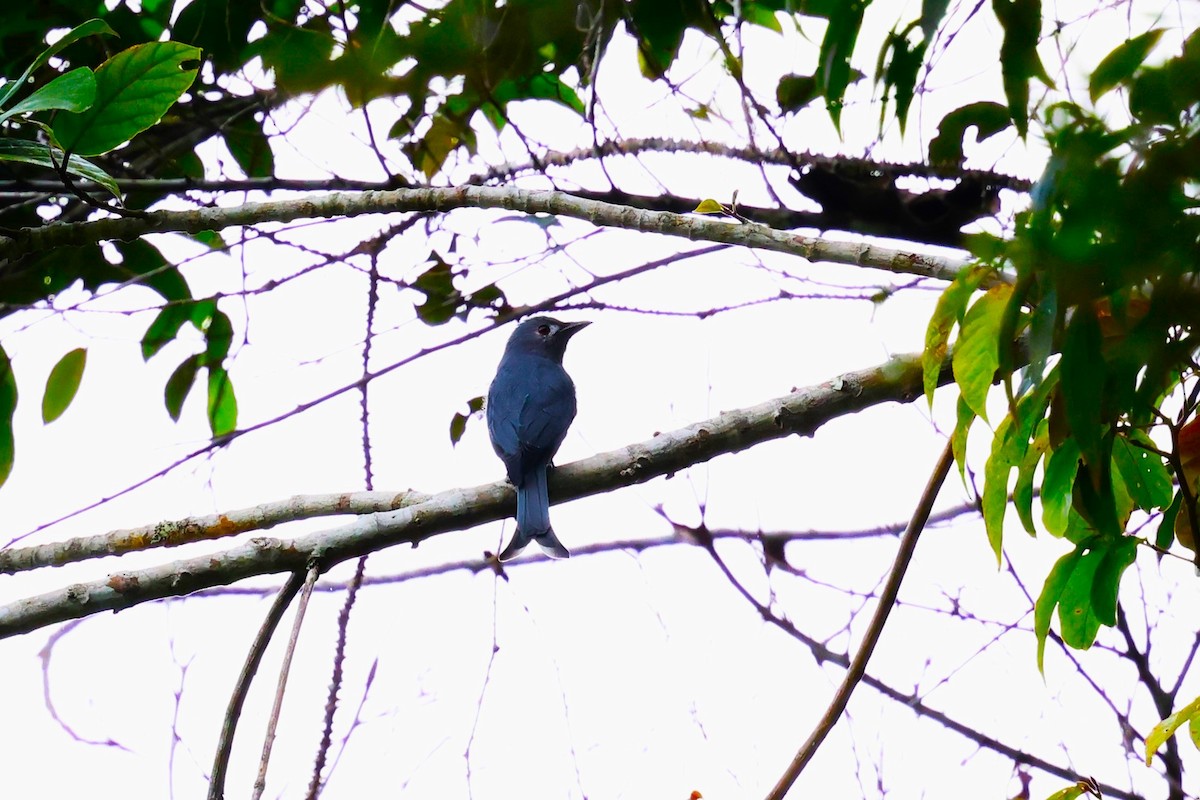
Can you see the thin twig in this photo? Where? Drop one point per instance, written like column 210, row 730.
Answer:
column 911, row 700
column 216, row 784
column 260, row 783
column 316, row 784
column 45, row 655
column 887, row 598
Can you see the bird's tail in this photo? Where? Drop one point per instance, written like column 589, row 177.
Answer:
column 533, row 519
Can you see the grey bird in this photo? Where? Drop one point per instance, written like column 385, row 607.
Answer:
column 530, row 405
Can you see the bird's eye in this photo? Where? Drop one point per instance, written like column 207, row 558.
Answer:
column 543, row 330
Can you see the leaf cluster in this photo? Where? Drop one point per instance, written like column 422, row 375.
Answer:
column 1088, row 321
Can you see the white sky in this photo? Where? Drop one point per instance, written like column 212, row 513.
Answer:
column 617, row 676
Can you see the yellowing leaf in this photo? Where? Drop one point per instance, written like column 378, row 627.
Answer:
column 1166, row 729
column 977, row 352
column 62, row 384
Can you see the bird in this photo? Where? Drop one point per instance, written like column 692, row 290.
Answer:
column 530, row 405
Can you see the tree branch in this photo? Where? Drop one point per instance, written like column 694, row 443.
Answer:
column 353, row 204
column 552, row 158
column 175, row 533
column 233, row 712
column 801, row 412
column 264, row 762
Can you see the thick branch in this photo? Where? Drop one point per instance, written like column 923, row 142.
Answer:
column 801, row 412
column 352, row 204
column 174, row 533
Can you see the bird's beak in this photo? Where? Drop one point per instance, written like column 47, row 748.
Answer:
column 569, row 329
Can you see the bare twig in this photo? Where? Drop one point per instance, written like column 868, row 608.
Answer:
column 598, row 150
column 775, row 539
column 260, row 783
column 887, row 598
column 216, row 784
column 315, row 783
column 910, row 700
column 45, row 655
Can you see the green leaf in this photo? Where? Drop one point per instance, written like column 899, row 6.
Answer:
column 709, row 206
column 221, row 28
column 250, row 147
column 41, row 155
column 763, row 17
column 1150, row 98
column 1077, row 619
column 146, row 265
column 1042, row 324
column 833, row 65
column 458, row 423
column 1052, row 590
column 660, row 28
column 794, row 92
column 92, row 27
column 1023, row 488
column 1058, row 481
column 1166, row 729
column 1145, row 475
column 1099, row 495
column 1006, row 454
column 1019, row 60
column 1119, row 65
column 951, row 307
column 218, row 335
column 1166, row 526
column 134, row 89
column 988, row 118
column 903, row 61
column 1071, row 792
column 965, row 417
column 441, row 298
column 977, row 351
column 490, row 297
column 1115, row 561
column 164, row 328
column 8, row 405
column 1009, row 446
column 210, row 239
column 301, row 59
column 542, row 86
column 1013, row 318
column 179, row 385
column 444, row 136
column 932, row 12
column 73, row 91
column 62, row 384
column 222, row 403
column 1083, row 371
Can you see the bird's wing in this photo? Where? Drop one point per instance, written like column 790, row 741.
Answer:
column 504, row 403
column 547, row 412
column 531, row 403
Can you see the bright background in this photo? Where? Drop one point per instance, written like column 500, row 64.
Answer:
column 622, row 675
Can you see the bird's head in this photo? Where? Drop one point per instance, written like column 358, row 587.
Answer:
column 544, row 335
